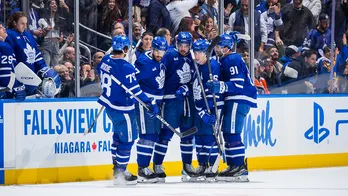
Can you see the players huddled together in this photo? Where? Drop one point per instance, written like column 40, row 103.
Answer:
column 185, row 86
column 170, row 89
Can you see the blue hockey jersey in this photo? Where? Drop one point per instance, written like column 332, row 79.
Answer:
column 25, row 49
column 7, row 62
column 316, row 40
column 7, row 73
column 179, row 71
column 150, row 75
column 236, row 76
column 113, row 95
column 197, row 90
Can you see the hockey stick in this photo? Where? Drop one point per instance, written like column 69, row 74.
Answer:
column 86, row 131
column 189, row 132
column 216, row 134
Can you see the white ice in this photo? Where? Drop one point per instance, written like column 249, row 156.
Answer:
column 318, row 182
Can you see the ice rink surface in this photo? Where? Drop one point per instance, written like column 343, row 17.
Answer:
column 318, row 182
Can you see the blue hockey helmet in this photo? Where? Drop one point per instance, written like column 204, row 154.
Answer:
column 119, row 42
column 234, row 35
column 200, row 45
column 226, row 41
column 184, row 38
column 159, row 43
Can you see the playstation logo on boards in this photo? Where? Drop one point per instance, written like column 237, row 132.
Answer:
column 317, row 132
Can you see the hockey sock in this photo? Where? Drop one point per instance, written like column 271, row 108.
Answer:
column 234, row 149
column 160, row 151
column 202, row 154
column 145, row 147
column 123, row 154
column 186, row 147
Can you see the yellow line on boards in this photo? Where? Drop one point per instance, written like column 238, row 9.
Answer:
column 104, row 172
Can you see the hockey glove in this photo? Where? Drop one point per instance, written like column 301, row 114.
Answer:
column 48, row 73
column 153, row 108
column 19, row 93
column 182, row 92
column 209, row 119
column 216, row 86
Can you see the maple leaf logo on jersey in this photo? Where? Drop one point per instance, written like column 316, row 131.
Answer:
column 184, row 74
column 197, row 91
column 30, row 53
column 160, row 79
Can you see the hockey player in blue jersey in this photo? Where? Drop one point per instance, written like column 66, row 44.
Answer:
column 176, row 106
column 8, row 81
column 240, row 94
column 206, row 146
column 27, row 52
column 120, row 107
column 150, row 76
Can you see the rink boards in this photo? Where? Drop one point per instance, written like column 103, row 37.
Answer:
column 42, row 141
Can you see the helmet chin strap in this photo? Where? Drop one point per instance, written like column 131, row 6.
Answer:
column 202, row 61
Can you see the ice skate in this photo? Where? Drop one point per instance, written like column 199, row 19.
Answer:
column 159, row 170
column 188, row 173
column 234, row 174
column 146, row 175
column 122, row 178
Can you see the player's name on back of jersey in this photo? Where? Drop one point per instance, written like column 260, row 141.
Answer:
column 63, row 121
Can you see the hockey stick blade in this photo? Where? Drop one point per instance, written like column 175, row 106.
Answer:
column 215, row 167
column 189, row 132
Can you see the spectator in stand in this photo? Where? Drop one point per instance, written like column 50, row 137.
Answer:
column 320, row 37
column 304, row 70
column 291, row 52
column 273, row 53
column 50, row 26
column 265, row 5
column 211, row 10
column 71, row 68
column 210, row 29
column 298, row 21
column 68, row 55
column 68, row 84
column 272, row 78
column 186, row 25
column 273, row 20
column 259, row 82
column 166, row 34
column 157, row 16
column 342, row 56
column 97, row 57
column 110, row 14
column 178, row 10
column 324, row 68
column 238, row 21
column 146, row 43
column 314, row 6
column 87, row 75
column 245, row 56
column 136, row 33
column 89, row 17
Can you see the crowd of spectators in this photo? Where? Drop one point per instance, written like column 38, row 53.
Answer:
column 292, row 37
